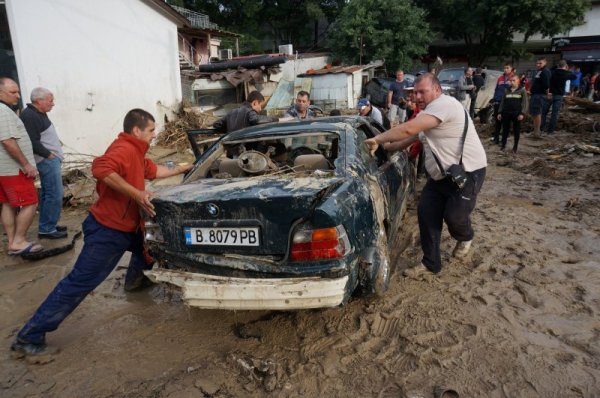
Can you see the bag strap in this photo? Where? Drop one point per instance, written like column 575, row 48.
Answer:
column 462, row 145
column 464, row 136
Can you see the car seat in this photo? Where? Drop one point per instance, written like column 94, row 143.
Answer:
column 311, row 162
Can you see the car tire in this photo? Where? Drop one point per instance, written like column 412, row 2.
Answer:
column 381, row 277
column 485, row 115
column 376, row 271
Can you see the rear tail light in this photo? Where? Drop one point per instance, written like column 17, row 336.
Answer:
column 319, row 244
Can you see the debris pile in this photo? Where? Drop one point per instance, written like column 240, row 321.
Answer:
column 575, row 120
column 80, row 187
column 175, row 132
column 541, row 168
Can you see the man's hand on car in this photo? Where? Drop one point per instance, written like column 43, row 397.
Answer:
column 372, row 145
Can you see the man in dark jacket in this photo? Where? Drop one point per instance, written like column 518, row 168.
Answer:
column 244, row 116
column 478, row 81
column 502, row 84
column 539, row 94
column 558, row 80
column 48, row 154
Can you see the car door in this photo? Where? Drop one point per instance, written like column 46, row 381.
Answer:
column 383, row 170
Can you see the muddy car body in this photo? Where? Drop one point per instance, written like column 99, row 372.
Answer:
column 483, row 107
column 282, row 216
column 377, row 88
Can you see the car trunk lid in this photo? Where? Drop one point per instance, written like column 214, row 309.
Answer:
column 244, row 216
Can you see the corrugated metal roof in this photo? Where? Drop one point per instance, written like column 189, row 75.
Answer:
column 340, row 69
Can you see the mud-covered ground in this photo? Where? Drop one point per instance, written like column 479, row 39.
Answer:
column 520, row 317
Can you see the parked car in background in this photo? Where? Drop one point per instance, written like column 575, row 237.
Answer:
column 282, row 216
column 376, row 90
column 483, row 108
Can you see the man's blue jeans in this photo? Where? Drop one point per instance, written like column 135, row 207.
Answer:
column 556, row 103
column 51, row 195
column 103, row 248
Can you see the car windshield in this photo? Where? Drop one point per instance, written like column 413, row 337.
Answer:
column 449, row 75
column 302, row 153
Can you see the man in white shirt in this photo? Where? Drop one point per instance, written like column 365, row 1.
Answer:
column 442, row 122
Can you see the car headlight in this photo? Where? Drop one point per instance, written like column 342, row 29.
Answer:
column 153, row 232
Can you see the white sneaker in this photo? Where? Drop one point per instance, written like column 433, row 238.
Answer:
column 417, row 272
column 462, row 248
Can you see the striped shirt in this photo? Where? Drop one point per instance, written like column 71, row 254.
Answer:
column 12, row 127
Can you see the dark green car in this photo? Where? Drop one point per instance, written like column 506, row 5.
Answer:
column 282, row 216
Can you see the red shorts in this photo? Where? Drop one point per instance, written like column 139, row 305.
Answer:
column 18, row 190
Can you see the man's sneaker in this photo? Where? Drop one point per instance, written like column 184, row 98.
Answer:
column 33, row 353
column 61, row 228
column 417, row 272
column 462, row 248
column 53, row 235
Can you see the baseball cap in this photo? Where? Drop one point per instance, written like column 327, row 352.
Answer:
column 363, row 102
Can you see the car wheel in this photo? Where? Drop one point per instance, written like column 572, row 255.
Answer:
column 376, row 271
column 485, row 115
column 381, row 277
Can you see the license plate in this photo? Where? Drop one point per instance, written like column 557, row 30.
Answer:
column 221, row 236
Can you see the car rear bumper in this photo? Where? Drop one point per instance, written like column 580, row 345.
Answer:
column 224, row 292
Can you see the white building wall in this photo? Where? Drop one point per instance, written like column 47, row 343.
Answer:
column 591, row 27
column 331, row 91
column 100, row 59
column 356, row 89
column 295, row 67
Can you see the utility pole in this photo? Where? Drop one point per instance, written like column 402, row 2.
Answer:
column 360, row 51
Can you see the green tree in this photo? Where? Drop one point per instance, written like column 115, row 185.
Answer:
column 487, row 27
column 389, row 30
column 281, row 21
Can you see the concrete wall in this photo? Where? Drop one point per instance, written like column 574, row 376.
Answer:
column 100, row 58
column 295, row 67
column 591, row 27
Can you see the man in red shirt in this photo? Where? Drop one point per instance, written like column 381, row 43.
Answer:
column 112, row 228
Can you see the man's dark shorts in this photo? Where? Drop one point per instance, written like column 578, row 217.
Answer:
column 537, row 104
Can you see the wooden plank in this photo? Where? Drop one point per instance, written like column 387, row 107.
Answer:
column 582, row 102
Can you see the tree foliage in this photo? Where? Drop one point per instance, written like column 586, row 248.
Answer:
column 281, row 21
column 488, row 26
column 390, row 30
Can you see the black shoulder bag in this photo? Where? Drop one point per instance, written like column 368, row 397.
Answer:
column 456, row 172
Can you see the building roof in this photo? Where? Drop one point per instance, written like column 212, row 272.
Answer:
column 203, row 31
column 189, row 22
column 340, row 69
column 163, row 7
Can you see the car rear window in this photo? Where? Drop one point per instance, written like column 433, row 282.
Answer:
column 300, row 154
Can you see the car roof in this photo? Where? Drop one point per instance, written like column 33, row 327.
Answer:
column 328, row 123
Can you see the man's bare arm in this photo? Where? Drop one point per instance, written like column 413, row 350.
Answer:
column 402, row 131
column 400, row 145
column 164, row 171
column 15, row 152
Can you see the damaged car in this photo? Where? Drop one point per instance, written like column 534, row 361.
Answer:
column 449, row 78
column 282, row 216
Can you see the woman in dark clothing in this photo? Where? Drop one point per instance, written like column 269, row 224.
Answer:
column 512, row 110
